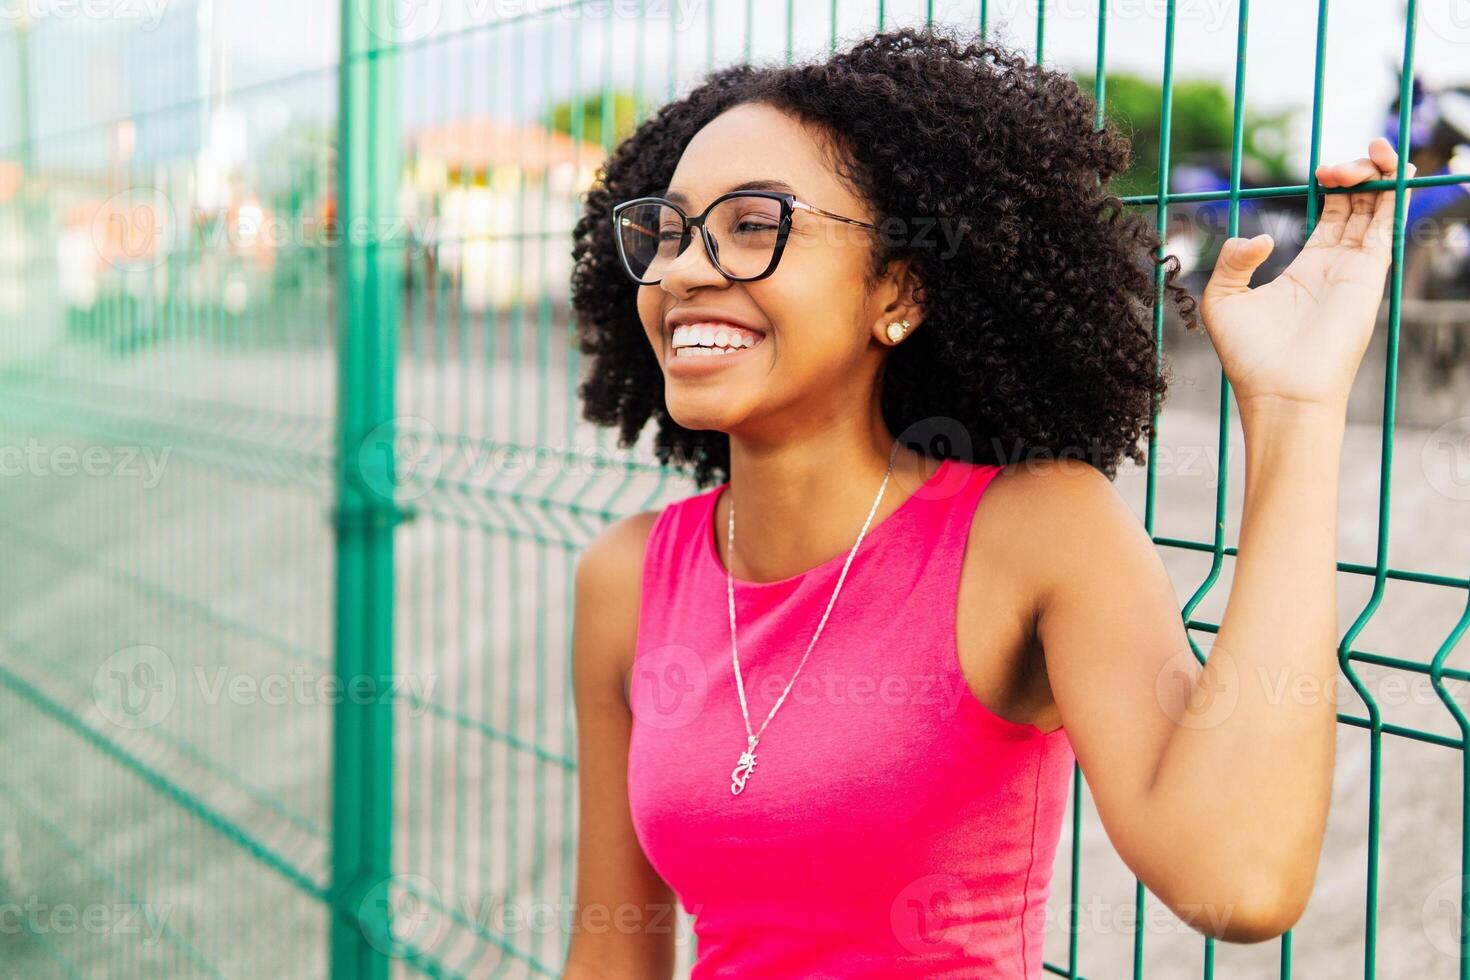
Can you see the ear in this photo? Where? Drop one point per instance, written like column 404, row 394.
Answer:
column 900, row 313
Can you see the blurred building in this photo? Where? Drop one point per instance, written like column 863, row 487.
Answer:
column 494, row 202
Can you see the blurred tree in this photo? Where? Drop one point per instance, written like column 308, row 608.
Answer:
column 621, row 112
column 1201, row 128
column 295, row 166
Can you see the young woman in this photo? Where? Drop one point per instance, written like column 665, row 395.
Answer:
column 859, row 297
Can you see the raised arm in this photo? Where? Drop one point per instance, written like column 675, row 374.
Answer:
column 1213, row 782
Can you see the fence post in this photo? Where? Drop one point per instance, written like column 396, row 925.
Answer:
column 22, row 29
column 368, row 284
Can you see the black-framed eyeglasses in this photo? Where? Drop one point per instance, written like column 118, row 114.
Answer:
column 744, row 233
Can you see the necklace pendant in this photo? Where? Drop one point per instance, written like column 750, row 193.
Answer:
column 743, row 769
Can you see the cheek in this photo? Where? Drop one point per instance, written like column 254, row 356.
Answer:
column 825, row 274
column 648, row 315
column 817, row 311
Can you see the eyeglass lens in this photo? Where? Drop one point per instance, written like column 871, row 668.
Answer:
column 744, row 231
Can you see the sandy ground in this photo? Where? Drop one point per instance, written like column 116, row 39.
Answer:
column 218, row 567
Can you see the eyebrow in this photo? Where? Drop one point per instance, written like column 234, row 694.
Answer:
column 749, row 185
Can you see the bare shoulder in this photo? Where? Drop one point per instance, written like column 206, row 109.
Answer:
column 1037, row 523
column 608, row 586
column 1064, row 479
column 1041, row 516
column 616, row 550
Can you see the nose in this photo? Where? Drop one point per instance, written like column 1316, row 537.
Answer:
column 692, row 267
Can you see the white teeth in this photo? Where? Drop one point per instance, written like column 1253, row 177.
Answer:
column 707, row 339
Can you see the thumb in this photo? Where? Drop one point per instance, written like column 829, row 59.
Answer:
column 1238, row 259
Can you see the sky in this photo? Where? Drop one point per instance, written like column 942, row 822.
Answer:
column 456, row 61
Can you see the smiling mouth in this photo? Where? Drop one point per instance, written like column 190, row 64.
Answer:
column 712, row 340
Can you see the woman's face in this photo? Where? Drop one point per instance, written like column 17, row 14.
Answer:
column 818, row 328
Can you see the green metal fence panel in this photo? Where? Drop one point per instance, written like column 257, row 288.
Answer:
column 295, row 478
column 168, row 417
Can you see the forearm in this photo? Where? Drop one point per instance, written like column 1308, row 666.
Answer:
column 1249, row 780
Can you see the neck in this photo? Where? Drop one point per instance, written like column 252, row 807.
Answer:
column 801, row 502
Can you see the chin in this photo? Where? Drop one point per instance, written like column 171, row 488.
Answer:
column 707, row 409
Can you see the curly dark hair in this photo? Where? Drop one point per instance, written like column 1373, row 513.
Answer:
column 1038, row 332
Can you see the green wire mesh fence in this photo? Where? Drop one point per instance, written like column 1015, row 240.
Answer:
column 295, row 481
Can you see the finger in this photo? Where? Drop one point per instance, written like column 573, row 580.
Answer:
column 1379, row 235
column 1384, row 157
column 1364, row 205
column 1238, row 260
column 1347, row 174
column 1338, row 207
column 1346, row 217
column 1381, row 159
column 1328, row 229
column 1374, row 227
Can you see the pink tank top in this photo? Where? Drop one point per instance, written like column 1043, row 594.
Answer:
column 892, row 825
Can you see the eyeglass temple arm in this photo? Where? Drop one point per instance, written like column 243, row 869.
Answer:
column 812, row 207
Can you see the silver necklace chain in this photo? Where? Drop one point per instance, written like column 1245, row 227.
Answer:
column 746, row 765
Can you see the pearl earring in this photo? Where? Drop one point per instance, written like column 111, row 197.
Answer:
column 897, row 329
